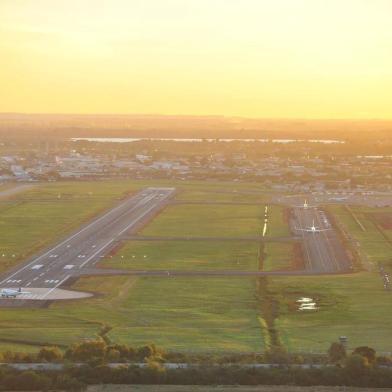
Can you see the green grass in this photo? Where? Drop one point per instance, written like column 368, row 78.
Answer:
column 217, row 221
column 277, row 256
column 185, row 255
column 356, row 306
column 215, row 314
column 192, row 314
column 372, row 243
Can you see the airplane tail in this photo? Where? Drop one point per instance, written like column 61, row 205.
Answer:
column 20, row 289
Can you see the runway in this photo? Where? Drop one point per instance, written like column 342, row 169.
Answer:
column 323, row 251
column 83, row 248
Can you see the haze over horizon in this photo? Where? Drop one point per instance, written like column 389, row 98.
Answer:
column 286, row 59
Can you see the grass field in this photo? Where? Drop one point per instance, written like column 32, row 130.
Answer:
column 217, row 220
column 213, row 314
column 186, row 255
column 375, row 242
column 277, row 256
column 356, row 306
column 193, row 314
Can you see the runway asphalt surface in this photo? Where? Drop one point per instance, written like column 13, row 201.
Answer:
column 323, row 251
column 83, row 248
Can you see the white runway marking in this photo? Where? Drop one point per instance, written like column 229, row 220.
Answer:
column 52, row 289
column 68, row 266
column 37, row 266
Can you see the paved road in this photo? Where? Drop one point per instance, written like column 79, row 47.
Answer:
column 323, row 251
column 83, row 248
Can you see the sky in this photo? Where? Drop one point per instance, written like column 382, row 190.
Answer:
column 249, row 58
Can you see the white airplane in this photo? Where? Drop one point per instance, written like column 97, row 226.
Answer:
column 13, row 293
column 306, row 205
column 313, row 229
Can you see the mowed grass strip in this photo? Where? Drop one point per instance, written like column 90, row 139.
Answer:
column 356, row 306
column 185, row 255
column 217, row 314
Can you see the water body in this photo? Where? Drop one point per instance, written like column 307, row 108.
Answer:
column 199, row 140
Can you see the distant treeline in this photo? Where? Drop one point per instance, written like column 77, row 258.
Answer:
column 67, row 126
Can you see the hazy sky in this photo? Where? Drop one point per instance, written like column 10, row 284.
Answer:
column 257, row 58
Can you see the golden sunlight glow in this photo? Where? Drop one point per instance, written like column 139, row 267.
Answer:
column 256, row 58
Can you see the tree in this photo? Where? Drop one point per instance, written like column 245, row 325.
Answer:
column 50, row 354
column 336, row 352
column 91, row 351
column 367, row 352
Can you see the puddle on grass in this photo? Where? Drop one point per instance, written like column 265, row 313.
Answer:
column 305, row 303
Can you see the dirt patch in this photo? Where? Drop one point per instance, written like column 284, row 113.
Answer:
column 384, row 219
column 287, row 214
column 298, row 260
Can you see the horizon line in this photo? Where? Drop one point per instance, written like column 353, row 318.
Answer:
column 198, row 115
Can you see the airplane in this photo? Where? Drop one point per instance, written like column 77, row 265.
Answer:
column 12, row 292
column 312, row 229
column 306, row 205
